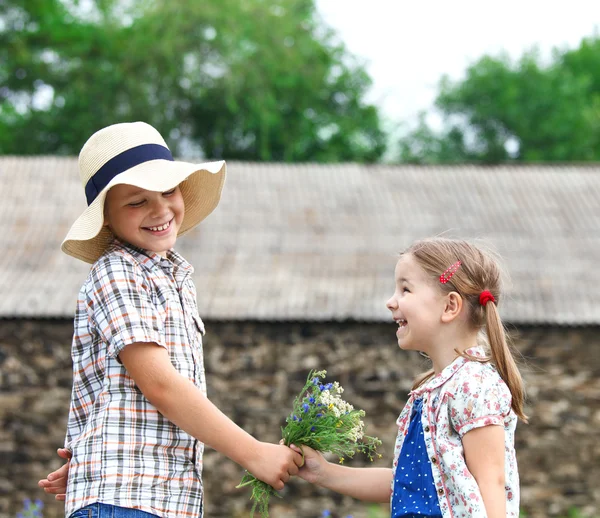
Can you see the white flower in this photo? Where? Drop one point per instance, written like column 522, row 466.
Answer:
column 335, row 403
column 358, row 431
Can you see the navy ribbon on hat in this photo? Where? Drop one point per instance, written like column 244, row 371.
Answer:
column 122, row 162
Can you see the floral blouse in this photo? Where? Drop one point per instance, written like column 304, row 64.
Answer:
column 464, row 396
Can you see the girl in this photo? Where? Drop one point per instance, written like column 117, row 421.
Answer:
column 454, row 454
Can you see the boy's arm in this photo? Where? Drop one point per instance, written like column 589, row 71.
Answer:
column 180, row 401
column 484, row 454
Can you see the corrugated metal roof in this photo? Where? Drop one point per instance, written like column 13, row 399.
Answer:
column 319, row 242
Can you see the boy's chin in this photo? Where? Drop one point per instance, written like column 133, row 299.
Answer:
column 157, row 244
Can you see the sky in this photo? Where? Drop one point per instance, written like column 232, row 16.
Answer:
column 409, row 45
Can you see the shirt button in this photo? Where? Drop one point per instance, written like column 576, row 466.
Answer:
column 433, row 460
column 427, row 428
column 440, row 491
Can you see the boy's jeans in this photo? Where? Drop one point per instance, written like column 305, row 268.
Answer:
column 109, row 511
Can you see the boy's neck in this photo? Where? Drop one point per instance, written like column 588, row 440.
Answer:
column 146, row 251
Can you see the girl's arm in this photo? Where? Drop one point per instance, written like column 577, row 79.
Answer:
column 484, row 454
column 367, row 484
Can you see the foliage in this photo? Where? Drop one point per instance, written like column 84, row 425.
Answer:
column 521, row 111
column 322, row 420
column 252, row 80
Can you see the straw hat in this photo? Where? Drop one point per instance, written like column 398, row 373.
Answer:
column 134, row 153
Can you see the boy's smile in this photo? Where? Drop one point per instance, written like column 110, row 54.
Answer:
column 147, row 219
column 160, row 228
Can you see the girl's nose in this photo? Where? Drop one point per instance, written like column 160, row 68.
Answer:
column 391, row 304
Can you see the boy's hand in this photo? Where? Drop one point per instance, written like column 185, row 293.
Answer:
column 56, row 482
column 314, row 463
column 274, row 464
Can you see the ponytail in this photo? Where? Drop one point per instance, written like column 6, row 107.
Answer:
column 423, row 378
column 503, row 359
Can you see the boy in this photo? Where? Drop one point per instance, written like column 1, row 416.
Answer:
column 139, row 416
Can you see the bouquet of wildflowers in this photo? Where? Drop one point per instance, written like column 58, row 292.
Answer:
column 322, row 420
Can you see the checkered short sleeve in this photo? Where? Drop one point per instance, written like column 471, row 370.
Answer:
column 122, row 305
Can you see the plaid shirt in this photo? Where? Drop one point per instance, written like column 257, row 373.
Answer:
column 125, row 452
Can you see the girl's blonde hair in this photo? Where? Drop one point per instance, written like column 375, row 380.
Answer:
column 478, row 272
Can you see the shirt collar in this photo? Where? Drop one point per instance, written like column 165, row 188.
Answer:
column 180, row 263
column 173, row 261
column 449, row 371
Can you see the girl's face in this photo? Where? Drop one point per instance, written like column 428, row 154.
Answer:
column 147, row 219
column 417, row 306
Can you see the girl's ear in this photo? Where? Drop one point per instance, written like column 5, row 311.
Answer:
column 452, row 307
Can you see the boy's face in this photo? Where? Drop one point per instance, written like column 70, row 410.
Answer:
column 146, row 219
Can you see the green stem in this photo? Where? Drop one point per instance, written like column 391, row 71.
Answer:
column 247, row 483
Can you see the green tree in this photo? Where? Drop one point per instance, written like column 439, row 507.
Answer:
column 251, row 79
column 521, row 111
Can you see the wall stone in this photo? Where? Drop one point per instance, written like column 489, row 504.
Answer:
column 254, row 370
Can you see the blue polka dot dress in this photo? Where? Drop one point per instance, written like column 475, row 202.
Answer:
column 414, row 488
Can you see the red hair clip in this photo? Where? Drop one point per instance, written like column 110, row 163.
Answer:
column 447, row 275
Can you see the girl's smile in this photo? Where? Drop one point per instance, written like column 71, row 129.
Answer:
column 402, row 324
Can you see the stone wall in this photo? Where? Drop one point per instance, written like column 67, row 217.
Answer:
column 254, row 371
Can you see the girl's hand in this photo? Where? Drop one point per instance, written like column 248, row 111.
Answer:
column 56, row 482
column 314, row 464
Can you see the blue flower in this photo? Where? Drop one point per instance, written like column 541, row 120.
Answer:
column 319, row 415
column 329, row 386
column 305, row 407
column 312, row 399
column 315, row 381
column 312, row 428
column 326, row 513
column 295, row 418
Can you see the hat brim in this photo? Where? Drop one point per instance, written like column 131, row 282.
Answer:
column 201, row 186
